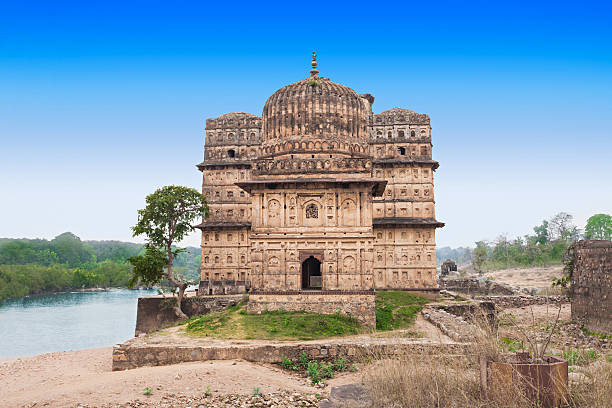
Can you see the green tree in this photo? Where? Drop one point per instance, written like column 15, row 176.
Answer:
column 71, row 250
column 166, row 220
column 561, row 227
column 479, row 256
column 599, row 226
column 148, row 267
column 541, row 233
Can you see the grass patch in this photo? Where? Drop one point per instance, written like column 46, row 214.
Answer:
column 234, row 323
column 317, row 371
column 397, row 309
column 579, row 357
column 394, row 310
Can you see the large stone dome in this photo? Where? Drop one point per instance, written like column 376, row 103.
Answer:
column 316, row 108
column 315, row 126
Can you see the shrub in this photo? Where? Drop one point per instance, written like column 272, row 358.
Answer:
column 288, row 364
column 340, row 364
column 313, row 372
column 327, row 370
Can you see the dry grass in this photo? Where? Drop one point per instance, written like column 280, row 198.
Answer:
column 594, row 387
column 454, row 381
column 414, row 383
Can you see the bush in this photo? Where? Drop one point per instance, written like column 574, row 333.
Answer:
column 313, row 372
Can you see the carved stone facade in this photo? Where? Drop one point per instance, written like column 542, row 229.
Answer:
column 319, row 194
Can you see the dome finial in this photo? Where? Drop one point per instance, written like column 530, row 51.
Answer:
column 314, row 71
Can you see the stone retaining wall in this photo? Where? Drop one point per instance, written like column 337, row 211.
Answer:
column 127, row 357
column 591, row 285
column 455, row 327
column 470, row 310
column 359, row 304
column 156, row 312
column 522, row 300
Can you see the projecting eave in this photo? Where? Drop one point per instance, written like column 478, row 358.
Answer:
column 233, row 163
column 208, row 225
column 378, row 185
column 408, row 221
column 434, row 164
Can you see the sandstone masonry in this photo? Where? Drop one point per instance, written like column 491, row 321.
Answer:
column 318, row 194
column 591, row 285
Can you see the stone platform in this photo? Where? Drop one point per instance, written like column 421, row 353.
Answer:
column 174, row 349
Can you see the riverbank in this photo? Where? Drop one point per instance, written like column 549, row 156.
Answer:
column 84, row 377
column 78, row 290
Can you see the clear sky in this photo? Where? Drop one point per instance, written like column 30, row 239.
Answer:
column 103, row 102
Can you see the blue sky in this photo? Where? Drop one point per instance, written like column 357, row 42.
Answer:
column 103, row 102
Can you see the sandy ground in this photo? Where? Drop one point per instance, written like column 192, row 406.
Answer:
column 85, row 377
column 545, row 314
column 540, row 278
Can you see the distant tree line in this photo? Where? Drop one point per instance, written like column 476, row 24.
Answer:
column 546, row 246
column 31, row 266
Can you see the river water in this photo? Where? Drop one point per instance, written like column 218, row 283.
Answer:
column 68, row 321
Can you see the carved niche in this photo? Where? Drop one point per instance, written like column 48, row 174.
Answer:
column 310, row 208
column 349, row 212
column 274, row 208
column 348, row 264
column 312, row 211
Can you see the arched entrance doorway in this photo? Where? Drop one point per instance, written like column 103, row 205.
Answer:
column 311, row 273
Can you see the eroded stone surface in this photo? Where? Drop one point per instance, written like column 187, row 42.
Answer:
column 306, row 181
column 591, row 285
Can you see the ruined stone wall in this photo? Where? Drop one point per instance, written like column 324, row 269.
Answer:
column 522, row 300
column 358, row 304
column 475, row 286
column 591, row 285
column 155, row 312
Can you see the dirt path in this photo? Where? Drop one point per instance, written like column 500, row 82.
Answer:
column 85, row 377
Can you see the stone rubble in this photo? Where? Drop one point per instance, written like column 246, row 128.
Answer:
column 279, row 399
column 453, row 326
